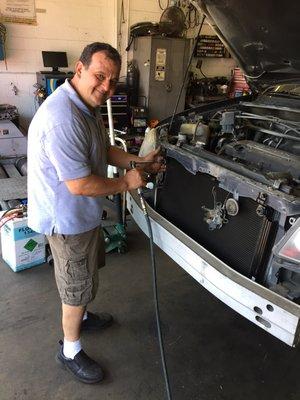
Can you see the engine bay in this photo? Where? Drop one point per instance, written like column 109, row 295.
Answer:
column 244, row 156
column 249, row 135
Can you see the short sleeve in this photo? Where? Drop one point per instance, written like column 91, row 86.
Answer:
column 67, row 147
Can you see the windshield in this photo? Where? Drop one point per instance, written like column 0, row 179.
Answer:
column 292, row 89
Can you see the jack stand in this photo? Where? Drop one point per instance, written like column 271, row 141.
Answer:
column 115, row 238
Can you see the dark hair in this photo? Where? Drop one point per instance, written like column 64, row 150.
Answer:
column 90, row 49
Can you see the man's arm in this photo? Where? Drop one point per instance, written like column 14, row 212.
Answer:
column 122, row 159
column 94, row 185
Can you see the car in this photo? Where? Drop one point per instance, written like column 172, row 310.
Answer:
column 227, row 209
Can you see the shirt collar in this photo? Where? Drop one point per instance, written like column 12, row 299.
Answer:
column 77, row 100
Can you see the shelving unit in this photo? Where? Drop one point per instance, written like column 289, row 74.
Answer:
column 210, row 46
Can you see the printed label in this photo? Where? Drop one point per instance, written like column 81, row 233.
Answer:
column 30, row 245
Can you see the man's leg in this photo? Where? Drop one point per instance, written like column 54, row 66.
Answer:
column 77, row 286
column 71, row 321
column 99, row 321
column 71, row 324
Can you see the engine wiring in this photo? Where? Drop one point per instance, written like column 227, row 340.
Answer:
column 272, row 119
column 274, row 127
column 161, row 7
column 199, row 66
column 192, row 17
column 273, row 133
column 289, row 126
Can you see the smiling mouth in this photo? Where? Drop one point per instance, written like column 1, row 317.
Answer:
column 100, row 95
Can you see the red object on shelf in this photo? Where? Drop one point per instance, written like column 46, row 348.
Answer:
column 238, row 85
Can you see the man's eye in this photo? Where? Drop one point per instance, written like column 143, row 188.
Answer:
column 101, row 77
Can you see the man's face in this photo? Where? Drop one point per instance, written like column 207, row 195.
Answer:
column 97, row 82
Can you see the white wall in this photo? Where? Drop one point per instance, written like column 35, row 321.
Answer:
column 61, row 26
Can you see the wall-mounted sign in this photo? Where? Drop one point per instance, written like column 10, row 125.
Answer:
column 18, row 11
column 160, row 64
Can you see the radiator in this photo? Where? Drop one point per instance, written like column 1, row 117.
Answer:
column 240, row 243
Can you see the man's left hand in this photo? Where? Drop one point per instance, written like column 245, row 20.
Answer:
column 157, row 163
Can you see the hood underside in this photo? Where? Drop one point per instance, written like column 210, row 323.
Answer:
column 263, row 36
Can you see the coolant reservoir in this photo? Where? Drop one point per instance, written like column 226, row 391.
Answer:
column 150, row 142
column 188, row 129
column 199, row 132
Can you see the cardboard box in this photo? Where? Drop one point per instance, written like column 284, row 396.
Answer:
column 22, row 248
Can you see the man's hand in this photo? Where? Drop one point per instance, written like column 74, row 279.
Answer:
column 121, row 159
column 135, row 178
column 157, row 162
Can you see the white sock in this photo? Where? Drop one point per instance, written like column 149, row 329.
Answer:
column 71, row 348
column 84, row 316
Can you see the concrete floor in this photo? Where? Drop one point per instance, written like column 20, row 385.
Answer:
column 212, row 353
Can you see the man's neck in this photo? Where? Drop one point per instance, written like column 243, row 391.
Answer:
column 73, row 83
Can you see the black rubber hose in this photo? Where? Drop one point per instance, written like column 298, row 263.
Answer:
column 156, row 304
column 118, row 204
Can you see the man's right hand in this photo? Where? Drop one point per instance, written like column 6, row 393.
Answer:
column 94, row 185
column 135, row 178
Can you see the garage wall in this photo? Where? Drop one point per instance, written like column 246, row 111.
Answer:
column 212, row 67
column 68, row 26
column 149, row 10
column 134, row 11
column 61, row 26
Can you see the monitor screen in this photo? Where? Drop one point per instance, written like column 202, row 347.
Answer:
column 55, row 59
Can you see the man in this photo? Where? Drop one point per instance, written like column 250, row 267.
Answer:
column 68, row 153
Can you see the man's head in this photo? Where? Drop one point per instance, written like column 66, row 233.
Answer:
column 97, row 73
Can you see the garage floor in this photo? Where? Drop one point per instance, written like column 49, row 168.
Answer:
column 212, row 353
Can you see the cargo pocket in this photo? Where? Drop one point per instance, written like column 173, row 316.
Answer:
column 77, row 270
column 78, row 289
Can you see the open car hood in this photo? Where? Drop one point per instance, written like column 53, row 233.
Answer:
column 263, row 36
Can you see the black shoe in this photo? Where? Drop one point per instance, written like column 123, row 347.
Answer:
column 95, row 322
column 82, row 367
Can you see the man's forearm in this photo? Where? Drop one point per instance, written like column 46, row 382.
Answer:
column 94, row 186
column 120, row 158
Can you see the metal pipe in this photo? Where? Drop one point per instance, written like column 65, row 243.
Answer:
column 277, row 134
column 117, row 197
column 2, row 173
column 21, row 165
column 110, row 122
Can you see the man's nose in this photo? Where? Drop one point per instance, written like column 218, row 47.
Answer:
column 106, row 85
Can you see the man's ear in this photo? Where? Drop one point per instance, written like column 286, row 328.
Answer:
column 78, row 68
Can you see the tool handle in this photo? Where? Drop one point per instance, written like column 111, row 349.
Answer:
column 150, row 185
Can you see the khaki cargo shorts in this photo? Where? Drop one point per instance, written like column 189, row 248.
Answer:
column 77, row 259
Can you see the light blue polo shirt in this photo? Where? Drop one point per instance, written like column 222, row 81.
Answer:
column 65, row 141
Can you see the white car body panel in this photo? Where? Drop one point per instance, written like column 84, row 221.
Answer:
column 273, row 313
